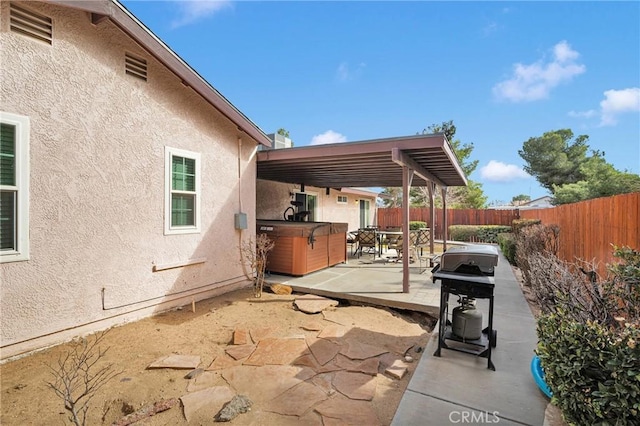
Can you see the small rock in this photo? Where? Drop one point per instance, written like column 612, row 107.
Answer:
column 408, row 358
column 239, row 404
column 418, row 349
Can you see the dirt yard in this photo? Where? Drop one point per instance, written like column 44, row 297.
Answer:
column 341, row 366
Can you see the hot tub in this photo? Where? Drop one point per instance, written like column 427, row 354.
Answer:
column 303, row 247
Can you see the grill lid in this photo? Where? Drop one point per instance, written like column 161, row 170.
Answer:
column 475, row 259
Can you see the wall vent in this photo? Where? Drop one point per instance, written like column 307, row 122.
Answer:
column 136, row 67
column 30, row 24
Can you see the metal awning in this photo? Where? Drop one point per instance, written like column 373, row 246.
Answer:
column 372, row 163
column 421, row 160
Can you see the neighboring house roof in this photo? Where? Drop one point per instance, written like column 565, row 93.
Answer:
column 372, row 163
column 127, row 22
column 544, row 201
column 359, row 191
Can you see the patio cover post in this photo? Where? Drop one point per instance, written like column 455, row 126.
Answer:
column 407, row 177
column 445, row 225
column 432, row 219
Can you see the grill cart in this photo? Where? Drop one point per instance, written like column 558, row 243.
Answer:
column 467, row 272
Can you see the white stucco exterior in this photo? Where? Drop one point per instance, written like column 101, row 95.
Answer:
column 274, row 197
column 97, row 185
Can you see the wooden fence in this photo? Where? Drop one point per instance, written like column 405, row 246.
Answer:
column 392, row 217
column 589, row 229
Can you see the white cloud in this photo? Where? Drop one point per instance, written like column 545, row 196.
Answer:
column 535, row 81
column 617, row 102
column 328, row 137
column 194, row 10
column 497, row 171
column 344, row 73
column 583, row 114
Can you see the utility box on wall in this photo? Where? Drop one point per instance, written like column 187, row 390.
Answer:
column 241, row 220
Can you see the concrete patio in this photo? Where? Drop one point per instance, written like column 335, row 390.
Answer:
column 456, row 387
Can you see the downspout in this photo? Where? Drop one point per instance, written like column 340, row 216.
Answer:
column 243, row 262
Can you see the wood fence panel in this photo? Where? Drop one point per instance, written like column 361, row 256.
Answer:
column 589, row 229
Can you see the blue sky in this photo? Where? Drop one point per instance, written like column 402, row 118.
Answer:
column 343, row 71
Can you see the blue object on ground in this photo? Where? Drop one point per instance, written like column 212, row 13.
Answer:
column 538, row 375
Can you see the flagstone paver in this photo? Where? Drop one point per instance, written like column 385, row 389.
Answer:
column 272, row 351
column 212, row 398
column 313, row 304
column 221, row 362
column 203, row 381
column 297, row 400
column 240, row 337
column 398, row 369
column 343, row 411
column 177, row 361
column 358, row 350
column 313, row 326
column 355, row 385
column 368, row 366
column 240, row 351
column 333, row 332
column 323, row 350
column 261, row 333
column 265, row 382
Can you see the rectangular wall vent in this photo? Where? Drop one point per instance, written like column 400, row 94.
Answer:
column 30, row 24
column 136, row 67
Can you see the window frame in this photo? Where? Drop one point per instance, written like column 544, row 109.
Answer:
column 344, row 201
column 21, row 188
column 170, row 229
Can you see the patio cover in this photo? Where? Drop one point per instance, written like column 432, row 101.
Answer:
column 368, row 164
column 421, row 160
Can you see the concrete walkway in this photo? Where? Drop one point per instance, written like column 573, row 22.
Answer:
column 456, row 388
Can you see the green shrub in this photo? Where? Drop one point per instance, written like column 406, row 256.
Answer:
column 589, row 338
column 507, row 243
column 593, row 370
column 477, row 233
column 416, row 224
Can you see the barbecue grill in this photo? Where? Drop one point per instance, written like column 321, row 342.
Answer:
column 467, row 271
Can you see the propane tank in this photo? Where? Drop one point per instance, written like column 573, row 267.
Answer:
column 466, row 321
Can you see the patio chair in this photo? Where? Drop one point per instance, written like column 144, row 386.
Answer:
column 423, row 239
column 419, row 239
column 352, row 240
column 367, row 239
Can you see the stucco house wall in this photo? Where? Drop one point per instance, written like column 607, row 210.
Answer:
column 97, row 185
column 272, row 198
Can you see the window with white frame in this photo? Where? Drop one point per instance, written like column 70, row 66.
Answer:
column 182, row 191
column 14, row 187
column 342, row 199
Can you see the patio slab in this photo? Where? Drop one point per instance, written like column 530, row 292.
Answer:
column 371, row 282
